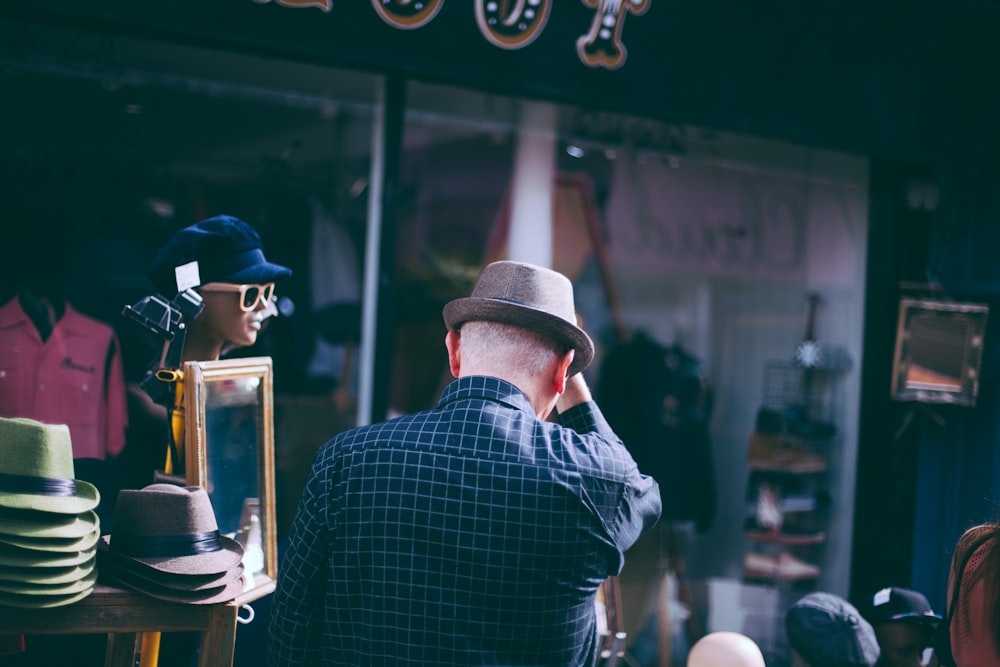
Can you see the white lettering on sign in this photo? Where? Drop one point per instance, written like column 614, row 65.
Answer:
column 513, row 24
column 514, row 28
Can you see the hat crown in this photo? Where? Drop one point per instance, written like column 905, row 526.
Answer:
column 34, row 449
column 527, row 285
column 826, row 629
column 527, row 296
column 227, row 249
column 163, row 510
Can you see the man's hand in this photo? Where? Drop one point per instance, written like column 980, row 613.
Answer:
column 577, row 392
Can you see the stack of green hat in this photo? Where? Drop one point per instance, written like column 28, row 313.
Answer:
column 48, row 527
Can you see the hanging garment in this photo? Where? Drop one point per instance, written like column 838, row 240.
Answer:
column 657, row 400
column 73, row 377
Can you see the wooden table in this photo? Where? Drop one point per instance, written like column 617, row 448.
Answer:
column 124, row 616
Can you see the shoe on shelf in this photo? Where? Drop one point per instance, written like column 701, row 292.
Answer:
column 778, row 452
column 791, row 568
column 784, row 567
column 759, row 566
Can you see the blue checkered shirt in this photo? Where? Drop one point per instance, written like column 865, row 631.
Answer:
column 473, row 533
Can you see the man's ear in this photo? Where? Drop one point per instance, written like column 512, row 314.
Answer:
column 562, row 371
column 453, row 341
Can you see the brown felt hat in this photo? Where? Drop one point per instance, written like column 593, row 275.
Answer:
column 36, row 469
column 170, row 529
column 527, row 296
column 223, row 593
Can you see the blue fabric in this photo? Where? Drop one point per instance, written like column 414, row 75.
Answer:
column 470, row 534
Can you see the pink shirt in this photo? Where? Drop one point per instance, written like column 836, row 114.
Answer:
column 74, row 378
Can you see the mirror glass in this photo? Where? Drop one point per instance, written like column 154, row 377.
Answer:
column 229, row 450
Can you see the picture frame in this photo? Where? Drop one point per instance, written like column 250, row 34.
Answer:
column 938, row 353
column 229, row 451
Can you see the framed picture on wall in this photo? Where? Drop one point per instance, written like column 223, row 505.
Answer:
column 939, row 348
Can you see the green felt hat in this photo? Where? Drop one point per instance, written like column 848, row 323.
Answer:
column 36, row 469
column 29, row 523
column 48, row 575
column 81, row 584
column 12, row 556
column 36, row 601
column 53, row 544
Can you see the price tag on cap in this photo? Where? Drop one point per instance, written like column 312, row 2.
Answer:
column 187, row 276
column 882, row 597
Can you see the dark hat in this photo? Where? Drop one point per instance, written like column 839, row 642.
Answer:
column 168, row 529
column 227, row 250
column 527, row 296
column 36, row 470
column 828, row 631
column 898, row 604
column 225, row 591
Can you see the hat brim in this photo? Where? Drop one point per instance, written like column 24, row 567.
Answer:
column 48, row 575
column 17, row 557
column 212, row 562
column 483, row 309
column 210, row 596
column 33, row 601
column 258, row 274
column 80, row 585
column 181, row 582
column 29, row 523
column 53, row 544
column 910, row 617
column 86, row 498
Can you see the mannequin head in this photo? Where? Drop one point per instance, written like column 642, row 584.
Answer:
column 223, row 259
column 725, row 648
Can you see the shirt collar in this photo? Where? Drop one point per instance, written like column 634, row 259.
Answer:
column 485, row 388
column 13, row 315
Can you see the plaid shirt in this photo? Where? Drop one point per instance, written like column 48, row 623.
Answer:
column 470, row 534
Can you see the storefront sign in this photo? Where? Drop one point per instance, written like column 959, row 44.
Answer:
column 514, row 25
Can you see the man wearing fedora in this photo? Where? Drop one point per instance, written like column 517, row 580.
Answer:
column 476, row 532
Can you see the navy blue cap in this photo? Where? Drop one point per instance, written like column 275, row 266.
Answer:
column 828, row 631
column 227, row 250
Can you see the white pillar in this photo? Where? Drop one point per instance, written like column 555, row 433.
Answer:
column 532, row 185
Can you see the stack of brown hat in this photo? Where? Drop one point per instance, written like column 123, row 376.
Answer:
column 166, row 544
column 48, row 527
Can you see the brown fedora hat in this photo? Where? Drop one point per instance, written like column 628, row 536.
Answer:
column 527, row 296
column 223, row 593
column 133, row 571
column 171, row 529
column 36, row 470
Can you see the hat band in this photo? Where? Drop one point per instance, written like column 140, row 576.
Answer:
column 237, row 263
column 166, row 546
column 39, row 486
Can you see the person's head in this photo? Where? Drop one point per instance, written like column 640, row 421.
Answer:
column 731, row 649
column 825, row 630
column 519, row 324
column 904, row 625
column 222, row 257
column 974, row 580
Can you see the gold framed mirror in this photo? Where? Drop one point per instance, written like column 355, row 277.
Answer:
column 229, row 451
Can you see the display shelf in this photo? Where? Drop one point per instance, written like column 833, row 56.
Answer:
column 124, row 616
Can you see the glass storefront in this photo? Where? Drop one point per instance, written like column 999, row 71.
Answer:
column 695, row 255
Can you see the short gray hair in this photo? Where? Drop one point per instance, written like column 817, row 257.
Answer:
column 502, row 345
